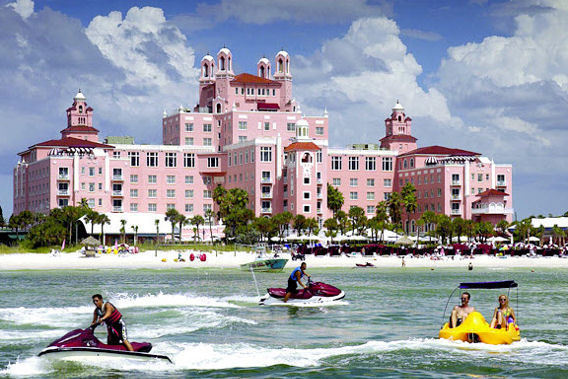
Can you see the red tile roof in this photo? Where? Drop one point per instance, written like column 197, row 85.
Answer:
column 253, row 79
column 492, row 192
column 302, row 146
column 71, row 142
column 440, row 150
column 80, row 128
column 399, row 138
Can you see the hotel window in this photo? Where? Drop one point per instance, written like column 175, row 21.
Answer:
column 353, row 163
column 170, row 206
column 188, row 179
column 306, row 209
column 353, row 195
column 133, row 193
column 133, row 207
column 370, row 196
column 171, row 193
column 411, row 162
column 207, row 142
column 189, row 160
column 265, row 154
column 83, row 186
column 370, row 209
column 171, row 179
column 91, row 187
column 152, row 159
column 336, row 163
column 319, row 156
column 236, row 90
column 242, row 125
column 387, row 163
column 206, row 127
column 455, row 178
column 189, row 193
column 133, row 178
column 63, row 202
column 387, row 182
column 440, row 192
column 206, row 208
column 188, row 208
column 240, row 158
column 370, row 163
column 439, row 178
column 501, row 179
column 100, row 201
column 353, row 182
column 319, row 130
column 152, row 193
column 242, row 139
column 370, row 182
column 189, row 141
column 290, row 126
column 336, row 181
column 212, row 162
column 252, row 155
column 207, row 194
column 486, row 176
column 246, row 157
column 116, row 154
column 91, row 171
column 189, row 127
column 134, row 158
column 479, row 177
column 307, row 195
column 100, row 186
column 387, row 195
column 267, row 126
column 171, row 159
column 479, row 190
column 152, row 179
column 207, row 180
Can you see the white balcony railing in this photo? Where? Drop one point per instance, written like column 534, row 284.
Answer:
column 319, row 211
column 501, row 184
column 456, row 197
column 266, row 179
column 456, row 211
column 266, row 210
column 117, row 177
column 266, row 195
column 116, row 209
column 63, row 177
column 498, row 209
column 320, row 195
column 320, row 181
column 63, row 192
column 117, row 193
column 456, row 183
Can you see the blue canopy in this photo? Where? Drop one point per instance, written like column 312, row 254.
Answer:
column 490, row 285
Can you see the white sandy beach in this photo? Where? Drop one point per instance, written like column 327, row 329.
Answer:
column 33, row 261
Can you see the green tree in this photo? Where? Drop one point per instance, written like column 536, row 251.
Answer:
column 91, row 218
column 282, row 223
column 395, row 208
column 430, row 220
column 331, row 228
column 558, row 235
column 123, row 230
column 443, row 227
column 103, row 220
column 299, row 224
column 197, row 220
column 48, row 233
column 172, row 216
column 458, row 227
column 335, row 199
column 311, row 226
column 409, row 203
column 469, row 228
column 502, row 226
column 219, row 194
column 342, row 221
column 210, row 217
column 233, row 210
column 382, row 217
column 2, row 220
column 135, row 230
column 484, row 230
column 181, row 220
column 358, row 219
column 264, row 226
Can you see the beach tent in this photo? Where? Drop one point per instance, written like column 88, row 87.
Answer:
column 498, row 239
column 534, row 239
column 404, row 240
column 90, row 241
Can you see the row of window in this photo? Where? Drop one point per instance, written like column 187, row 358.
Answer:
column 153, row 207
column 207, row 128
column 354, row 195
column 370, row 163
column 190, row 141
column 354, row 182
column 250, row 91
column 152, row 159
column 171, row 193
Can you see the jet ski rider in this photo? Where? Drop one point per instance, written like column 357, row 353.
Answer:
column 116, row 328
column 294, row 279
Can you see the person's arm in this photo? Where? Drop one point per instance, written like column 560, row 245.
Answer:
column 108, row 312
column 299, row 278
column 513, row 316
column 95, row 318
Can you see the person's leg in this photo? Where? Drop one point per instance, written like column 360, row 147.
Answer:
column 287, row 296
column 500, row 320
column 124, row 336
column 454, row 319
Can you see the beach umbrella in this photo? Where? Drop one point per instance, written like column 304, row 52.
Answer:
column 534, row 239
column 90, row 241
column 404, row 240
column 498, row 239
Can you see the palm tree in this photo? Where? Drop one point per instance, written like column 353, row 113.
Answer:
column 91, row 218
column 382, row 216
column 135, row 229
column 408, row 195
column 103, row 219
column 172, row 215
column 182, row 220
column 197, row 220
column 210, row 216
column 123, row 230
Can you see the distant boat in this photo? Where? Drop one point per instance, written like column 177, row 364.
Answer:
column 263, row 263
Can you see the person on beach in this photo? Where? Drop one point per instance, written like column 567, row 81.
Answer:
column 116, row 328
column 460, row 312
column 503, row 314
column 294, row 279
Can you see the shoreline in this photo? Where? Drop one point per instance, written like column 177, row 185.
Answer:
column 228, row 259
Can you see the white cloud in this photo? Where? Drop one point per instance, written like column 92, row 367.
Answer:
column 421, row 34
column 24, row 8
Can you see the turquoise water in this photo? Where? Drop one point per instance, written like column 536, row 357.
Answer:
column 208, row 322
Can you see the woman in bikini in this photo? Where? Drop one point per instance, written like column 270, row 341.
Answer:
column 503, row 314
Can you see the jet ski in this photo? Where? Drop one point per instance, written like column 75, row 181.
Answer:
column 317, row 293
column 81, row 345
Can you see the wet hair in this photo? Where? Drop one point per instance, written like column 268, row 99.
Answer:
column 303, row 264
column 97, row 296
column 468, row 295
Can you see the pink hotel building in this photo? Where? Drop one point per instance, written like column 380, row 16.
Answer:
column 248, row 131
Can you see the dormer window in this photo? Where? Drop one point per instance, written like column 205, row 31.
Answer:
column 399, row 118
column 80, row 109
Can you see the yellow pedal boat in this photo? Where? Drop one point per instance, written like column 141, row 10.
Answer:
column 475, row 328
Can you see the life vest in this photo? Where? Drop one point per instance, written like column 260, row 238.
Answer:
column 115, row 316
column 293, row 275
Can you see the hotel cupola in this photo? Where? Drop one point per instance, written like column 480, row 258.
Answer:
column 80, row 120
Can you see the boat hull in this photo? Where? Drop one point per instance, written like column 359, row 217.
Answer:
column 97, row 355
column 476, row 328
column 265, row 265
column 268, row 300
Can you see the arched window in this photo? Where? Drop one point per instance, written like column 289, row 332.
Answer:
column 262, row 71
column 222, row 63
column 307, row 158
column 206, row 70
column 405, row 164
column 280, row 65
column 218, row 108
column 411, row 162
column 399, row 118
column 80, row 109
column 287, row 66
column 229, row 65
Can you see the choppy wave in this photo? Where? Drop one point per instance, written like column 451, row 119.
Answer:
column 206, row 356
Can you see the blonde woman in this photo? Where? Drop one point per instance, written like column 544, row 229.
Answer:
column 503, row 314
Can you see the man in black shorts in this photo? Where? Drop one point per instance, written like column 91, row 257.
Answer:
column 116, row 328
column 294, row 279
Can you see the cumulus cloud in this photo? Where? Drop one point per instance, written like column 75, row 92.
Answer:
column 260, row 12
column 24, row 8
column 360, row 76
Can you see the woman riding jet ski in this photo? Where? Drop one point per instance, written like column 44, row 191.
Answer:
column 312, row 293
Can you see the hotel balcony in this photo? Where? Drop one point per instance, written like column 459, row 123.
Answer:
column 456, row 212
column 456, row 183
column 266, row 195
column 266, row 210
column 117, row 177
column 319, row 211
column 62, row 192
column 266, row 180
column 456, row 197
column 63, row 177
column 501, row 184
column 320, row 181
column 117, row 209
column 320, row 195
column 494, row 209
column 117, row 193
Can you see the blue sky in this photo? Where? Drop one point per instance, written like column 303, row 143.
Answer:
column 488, row 76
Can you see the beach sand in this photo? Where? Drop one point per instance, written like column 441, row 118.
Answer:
column 148, row 260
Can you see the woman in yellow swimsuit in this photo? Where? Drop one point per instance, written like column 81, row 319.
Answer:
column 503, row 314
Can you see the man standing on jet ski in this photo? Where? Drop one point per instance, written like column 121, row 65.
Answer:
column 116, row 328
column 294, row 279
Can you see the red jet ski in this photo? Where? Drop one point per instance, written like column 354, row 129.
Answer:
column 82, row 345
column 318, row 293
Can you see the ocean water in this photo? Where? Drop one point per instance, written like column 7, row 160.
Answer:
column 209, row 323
